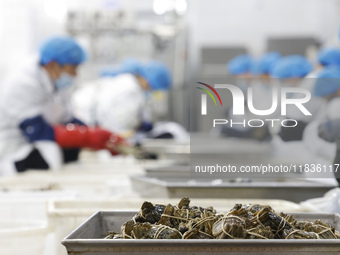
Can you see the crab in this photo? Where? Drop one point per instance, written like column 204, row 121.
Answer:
column 248, row 221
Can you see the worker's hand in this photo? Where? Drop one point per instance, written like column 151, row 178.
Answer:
column 127, row 134
column 116, row 144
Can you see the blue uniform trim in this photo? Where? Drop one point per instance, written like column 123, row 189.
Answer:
column 146, row 126
column 37, row 129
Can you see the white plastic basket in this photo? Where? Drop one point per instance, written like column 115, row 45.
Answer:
column 82, row 183
column 22, row 237
column 29, row 205
column 32, row 207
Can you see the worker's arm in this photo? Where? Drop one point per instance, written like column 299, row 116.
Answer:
column 73, row 135
column 329, row 130
column 70, row 135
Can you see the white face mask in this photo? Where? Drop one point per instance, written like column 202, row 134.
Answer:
column 64, row 81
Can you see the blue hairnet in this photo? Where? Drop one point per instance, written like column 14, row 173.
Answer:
column 327, row 82
column 133, row 66
column 329, row 56
column 157, row 75
column 239, row 65
column 294, row 66
column 64, row 50
column 130, row 65
column 265, row 64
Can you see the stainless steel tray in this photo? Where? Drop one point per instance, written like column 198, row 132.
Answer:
column 295, row 190
column 87, row 240
column 212, row 145
column 178, row 171
column 168, row 171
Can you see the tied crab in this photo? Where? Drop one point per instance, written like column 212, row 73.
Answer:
column 248, row 221
column 152, row 231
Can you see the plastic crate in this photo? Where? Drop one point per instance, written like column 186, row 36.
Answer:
column 22, row 237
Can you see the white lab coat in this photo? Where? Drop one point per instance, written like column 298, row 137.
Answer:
column 26, row 93
column 114, row 103
column 305, row 150
column 322, row 111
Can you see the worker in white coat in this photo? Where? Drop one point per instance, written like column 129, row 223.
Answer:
column 320, row 135
column 327, row 57
column 251, row 73
column 239, row 68
column 262, row 85
column 37, row 128
column 117, row 101
column 290, row 71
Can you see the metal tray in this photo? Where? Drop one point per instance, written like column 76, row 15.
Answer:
column 209, row 149
column 212, row 145
column 168, row 171
column 87, row 240
column 295, row 190
column 178, row 171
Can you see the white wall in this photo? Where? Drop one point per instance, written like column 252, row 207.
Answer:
column 24, row 23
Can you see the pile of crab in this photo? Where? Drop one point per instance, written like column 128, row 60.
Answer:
column 156, row 221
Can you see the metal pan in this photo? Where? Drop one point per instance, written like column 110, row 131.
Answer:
column 295, row 190
column 87, row 240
